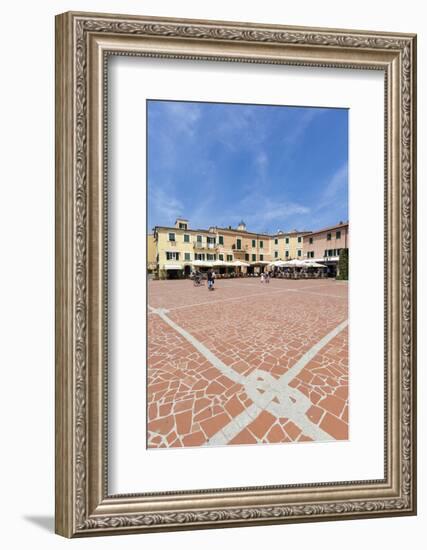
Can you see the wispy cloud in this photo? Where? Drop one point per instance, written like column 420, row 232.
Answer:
column 296, row 131
column 275, row 167
column 334, row 188
column 332, row 203
column 164, row 206
column 263, row 213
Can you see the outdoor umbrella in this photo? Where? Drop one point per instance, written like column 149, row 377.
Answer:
column 277, row 263
column 202, row 263
column 295, row 263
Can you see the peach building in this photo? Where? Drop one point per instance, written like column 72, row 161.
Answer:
column 325, row 245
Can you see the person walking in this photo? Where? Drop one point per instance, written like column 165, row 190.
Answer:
column 267, row 277
column 262, row 277
column 210, row 279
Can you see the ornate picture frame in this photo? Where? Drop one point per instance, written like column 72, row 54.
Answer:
column 84, row 42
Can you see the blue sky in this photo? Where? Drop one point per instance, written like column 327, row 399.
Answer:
column 275, row 167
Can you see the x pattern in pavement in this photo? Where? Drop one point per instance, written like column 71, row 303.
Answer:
column 247, row 363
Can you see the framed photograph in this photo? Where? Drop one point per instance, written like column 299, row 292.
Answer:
column 235, row 274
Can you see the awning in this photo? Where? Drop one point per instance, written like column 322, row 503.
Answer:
column 173, row 266
column 202, row 263
column 295, row 263
column 277, row 263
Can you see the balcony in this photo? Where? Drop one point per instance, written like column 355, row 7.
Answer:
column 241, row 249
column 205, row 246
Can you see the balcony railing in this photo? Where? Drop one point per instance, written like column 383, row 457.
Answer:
column 208, row 246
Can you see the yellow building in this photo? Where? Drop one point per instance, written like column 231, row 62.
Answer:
column 288, row 245
column 151, row 254
column 178, row 247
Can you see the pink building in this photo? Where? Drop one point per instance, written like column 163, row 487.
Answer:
column 325, row 245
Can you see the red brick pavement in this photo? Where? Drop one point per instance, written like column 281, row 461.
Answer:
column 248, row 327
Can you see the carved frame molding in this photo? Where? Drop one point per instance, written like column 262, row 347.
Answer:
column 83, row 43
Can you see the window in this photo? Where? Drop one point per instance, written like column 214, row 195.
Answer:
column 299, row 239
column 187, row 256
column 299, row 253
column 254, row 257
column 211, row 257
column 186, row 238
column 276, row 241
column 287, row 240
column 310, row 254
column 310, row 240
column 221, row 239
column 246, row 257
column 199, row 238
column 182, row 226
column 276, row 254
column 172, row 236
column 253, row 243
column 172, row 255
column 229, row 258
column 239, row 244
column 221, row 257
column 261, row 257
column 287, row 254
column 199, row 257
column 261, row 244
column 329, row 236
column 330, row 252
column 211, row 240
column 338, row 235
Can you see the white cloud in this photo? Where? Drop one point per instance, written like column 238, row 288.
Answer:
column 296, row 132
column 261, row 213
column 164, row 206
column 182, row 117
column 335, row 189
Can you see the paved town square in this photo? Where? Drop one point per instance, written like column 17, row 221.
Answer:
column 248, row 363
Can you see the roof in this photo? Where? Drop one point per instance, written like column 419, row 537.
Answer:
column 250, row 233
column 173, row 229
column 290, row 233
column 220, row 229
column 330, row 228
column 241, row 232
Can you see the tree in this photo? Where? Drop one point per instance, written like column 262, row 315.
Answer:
column 343, row 265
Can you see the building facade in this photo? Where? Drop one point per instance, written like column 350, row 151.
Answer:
column 288, row 246
column 176, row 248
column 325, row 245
column 151, row 254
column 179, row 246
